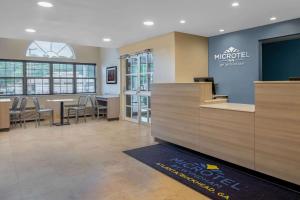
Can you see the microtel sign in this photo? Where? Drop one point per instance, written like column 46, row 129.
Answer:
column 232, row 57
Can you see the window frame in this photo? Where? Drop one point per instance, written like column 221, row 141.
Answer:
column 51, row 78
column 38, row 44
column 84, row 78
column 63, row 77
column 25, row 85
column 14, row 77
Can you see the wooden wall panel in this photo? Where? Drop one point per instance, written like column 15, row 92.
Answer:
column 175, row 111
column 277, row 130
column 227, row 135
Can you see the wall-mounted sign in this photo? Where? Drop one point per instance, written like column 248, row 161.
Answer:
column 232, row 57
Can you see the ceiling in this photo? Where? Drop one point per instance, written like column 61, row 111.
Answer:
column 87, row 22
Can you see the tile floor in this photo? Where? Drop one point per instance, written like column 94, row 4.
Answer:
column 82, row 162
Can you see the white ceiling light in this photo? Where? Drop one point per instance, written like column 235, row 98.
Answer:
column 235, row 4
column 273, row 18
column 106, row 40
column 45, row 4
column 182, row 21
column 30, row 30
column 221, row 30
column 148, row 23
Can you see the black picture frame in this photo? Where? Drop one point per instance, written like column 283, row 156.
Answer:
column 112, row 75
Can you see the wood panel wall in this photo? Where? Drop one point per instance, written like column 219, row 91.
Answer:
column 175, row 111
column 227, row 135
column 267, row 140
column 277, row 130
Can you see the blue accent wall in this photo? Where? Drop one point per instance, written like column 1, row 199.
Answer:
column 281, row 60
column 237, row 81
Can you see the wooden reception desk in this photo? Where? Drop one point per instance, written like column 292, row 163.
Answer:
column 264, row 137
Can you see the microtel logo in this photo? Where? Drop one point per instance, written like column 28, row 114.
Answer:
column 231, row 57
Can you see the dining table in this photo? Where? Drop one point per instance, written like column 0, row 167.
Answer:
column 61, row 101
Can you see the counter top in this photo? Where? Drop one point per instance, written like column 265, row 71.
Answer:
column 277, row 82
column 5, row 100
column 183, row 83
column 231, row 106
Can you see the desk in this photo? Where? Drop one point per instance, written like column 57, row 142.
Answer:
column 264, row 137
column 61, row 123
column 4, row 114
column 112, row 104
column 230, row 106
column 277, row 129
column 176, row 112
column 227, row 132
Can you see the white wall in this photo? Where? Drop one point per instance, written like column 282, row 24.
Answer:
column 109, row 57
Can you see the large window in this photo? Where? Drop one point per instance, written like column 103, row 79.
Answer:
column 63, row 75
column 11, row 78
column 37, row 78
column 46, row 49
column 85, row 78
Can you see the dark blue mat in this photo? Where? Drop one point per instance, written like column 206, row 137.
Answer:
column 209, row 177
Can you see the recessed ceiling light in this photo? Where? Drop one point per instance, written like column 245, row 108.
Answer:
column 235, row 4
column 30, row 30
column 182, row 21
column 148, row 23
column 221, row 30
column 273, row 18
column 45, row 4
column 106, row 40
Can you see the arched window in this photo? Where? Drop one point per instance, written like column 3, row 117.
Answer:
column 46, row 49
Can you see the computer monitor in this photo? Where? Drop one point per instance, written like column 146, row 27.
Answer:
column 207, row 79
column 294, row 78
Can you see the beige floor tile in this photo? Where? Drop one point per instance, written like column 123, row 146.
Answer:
column 83, row 161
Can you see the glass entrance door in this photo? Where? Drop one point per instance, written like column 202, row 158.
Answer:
column 139, row 77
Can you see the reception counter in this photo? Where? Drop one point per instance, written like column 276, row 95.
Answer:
column 227, row 132
column 264, row 137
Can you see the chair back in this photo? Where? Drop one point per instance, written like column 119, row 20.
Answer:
column 15, row 103
column 82, row 101
column 23, row 104
column 93, row 101
column 36, row 103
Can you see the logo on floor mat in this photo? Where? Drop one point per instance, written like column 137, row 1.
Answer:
column 212, row 167
column 207, row 176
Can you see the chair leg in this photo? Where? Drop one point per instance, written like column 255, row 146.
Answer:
column 20, row 120
column 68, row 116
column 52, row 118
column 76, row 116
column 36, row 121
column 24, row 120
column 39, row 119
column 84, row 116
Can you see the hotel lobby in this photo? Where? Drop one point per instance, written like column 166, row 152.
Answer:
column 160, row 100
